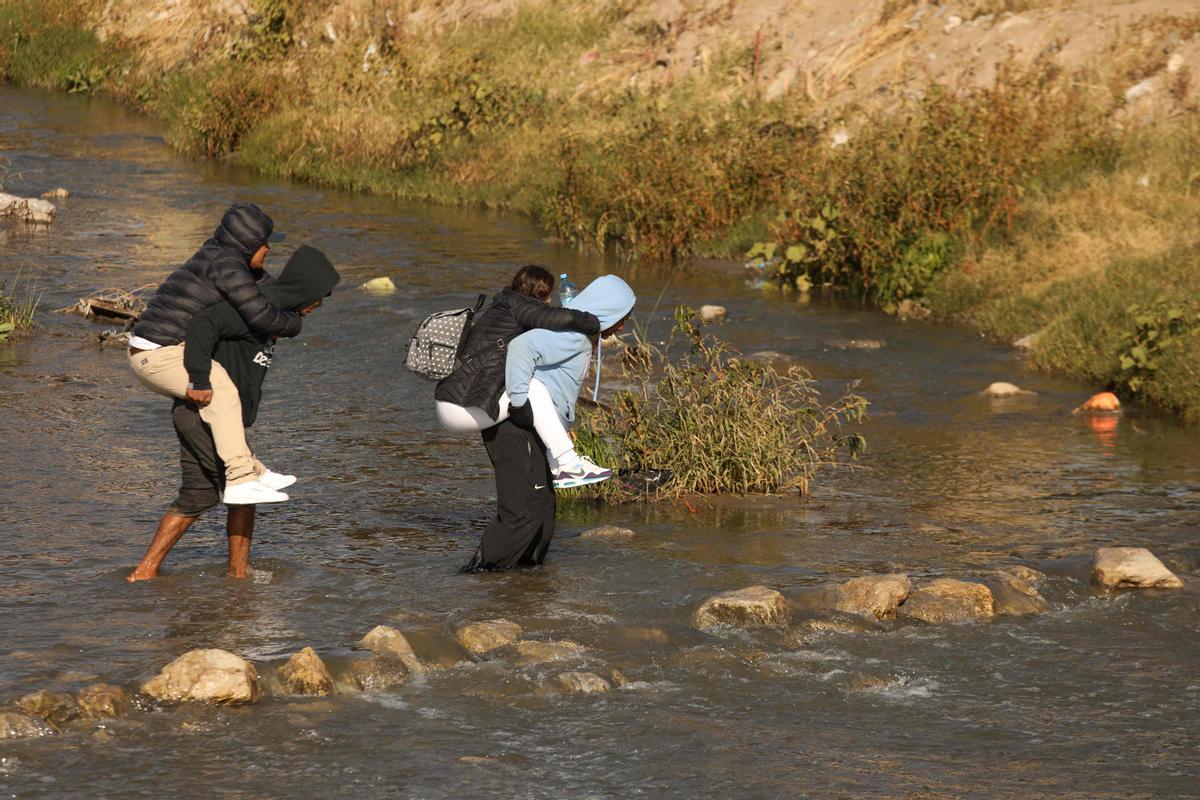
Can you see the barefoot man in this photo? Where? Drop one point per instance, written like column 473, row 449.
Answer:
column 220, row 334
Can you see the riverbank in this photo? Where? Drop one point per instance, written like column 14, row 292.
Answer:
column 1048, row 189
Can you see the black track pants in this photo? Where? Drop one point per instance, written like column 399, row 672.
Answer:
column 524, row 525
column 202, row 474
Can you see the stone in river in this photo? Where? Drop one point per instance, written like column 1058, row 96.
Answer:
column 306, row 674
column 749, row 607
column 208, row 676
column 949, row 600
column 1015, row 591
column 383, row 285
column 532, row 652
column 484, row 637
column 607, row 532
column 711, row 314
column 379, row 673
column 878, row 595
column 582, row 682
column 1001, row 390
column 16, row 723
column 1132, row 568
column 385, row 639
column 57, row 708
column 103, row 700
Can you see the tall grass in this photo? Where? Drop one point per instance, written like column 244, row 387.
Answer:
column 719, row 423
column 18, row 303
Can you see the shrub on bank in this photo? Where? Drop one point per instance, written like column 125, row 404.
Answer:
column 720, row 423
column 18, row 303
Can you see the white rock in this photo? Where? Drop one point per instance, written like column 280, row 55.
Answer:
column 1026, row 342
column 839, row 137
column 607, row 532
column 59, row 194
column 949, row 600
column 306, row 674
column 1132, row 568
column 780, row 84
column 582, row 682
column 26, row 209
column 484, row 637
column 752, row 606
column 1001, row 389
column 1174, row 63
column 382, row 285
column 1140, row 89
column 212, row 676
column 385, row 639
column 710, row 314
column 953, row 21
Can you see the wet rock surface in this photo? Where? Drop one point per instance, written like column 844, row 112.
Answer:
column 102, row 700
column 16, row 723
column 534, row 652
column 607, row 532
column 208, row 676
column 582, row 682
column 57, row 708
column 1132, row 568
column 384, row 639
column 949, row 600
column 306, row 674
column 877, row 595
column 480, row 638
column 379, row 673
column 1015, row 591
column 749, row 607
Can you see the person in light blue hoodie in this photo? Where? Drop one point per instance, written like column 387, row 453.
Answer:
column 524, row 525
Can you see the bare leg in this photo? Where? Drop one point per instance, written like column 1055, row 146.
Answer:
column 170, row 529
column 240, row 531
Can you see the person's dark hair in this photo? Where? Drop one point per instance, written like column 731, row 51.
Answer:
column 533, row 281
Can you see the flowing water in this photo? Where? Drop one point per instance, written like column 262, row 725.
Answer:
column 1096, row 698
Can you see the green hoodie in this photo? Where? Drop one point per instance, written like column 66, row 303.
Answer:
column 219, row 333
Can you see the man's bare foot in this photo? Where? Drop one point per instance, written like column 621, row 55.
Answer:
column 142, row 574
column 237, row 573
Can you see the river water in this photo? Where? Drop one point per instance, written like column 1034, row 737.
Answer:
column 1096, row 698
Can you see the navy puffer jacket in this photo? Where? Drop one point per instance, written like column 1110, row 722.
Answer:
column 220, row 270
column 479, row 379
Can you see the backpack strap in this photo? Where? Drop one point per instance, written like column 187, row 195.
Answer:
column 479, row 303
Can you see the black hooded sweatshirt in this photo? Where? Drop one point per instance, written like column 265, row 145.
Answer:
column 220, row 270
column 219, row 333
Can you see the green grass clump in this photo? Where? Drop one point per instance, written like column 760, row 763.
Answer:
column 18, row 304
column 211, row 110
column 45, row 43
column 719, row 422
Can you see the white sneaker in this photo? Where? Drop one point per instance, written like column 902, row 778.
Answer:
column 275, row 480
column 251, row 493
column 581, row 473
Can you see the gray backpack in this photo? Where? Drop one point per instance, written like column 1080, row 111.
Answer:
column 435, row 344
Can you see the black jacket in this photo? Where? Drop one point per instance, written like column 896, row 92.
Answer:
column 220, row 334
column 479, row 381
column 220, row 270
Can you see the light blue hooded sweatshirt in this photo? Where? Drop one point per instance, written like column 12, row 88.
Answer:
column 559, row 359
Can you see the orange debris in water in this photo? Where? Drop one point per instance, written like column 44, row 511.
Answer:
column 1104, row 401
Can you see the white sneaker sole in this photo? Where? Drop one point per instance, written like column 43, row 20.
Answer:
column 575, row 483
column 278, row 497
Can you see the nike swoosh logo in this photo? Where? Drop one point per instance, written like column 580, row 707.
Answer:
column 542, row 486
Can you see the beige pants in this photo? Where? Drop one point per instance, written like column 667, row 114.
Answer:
column 162, row 371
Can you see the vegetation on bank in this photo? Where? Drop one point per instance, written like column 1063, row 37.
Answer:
column 18, row 303
column 717, row 422
column 1019, row 208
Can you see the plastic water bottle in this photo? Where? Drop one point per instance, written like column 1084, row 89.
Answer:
column 566, row 289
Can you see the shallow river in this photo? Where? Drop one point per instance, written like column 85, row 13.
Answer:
column 1096, row 698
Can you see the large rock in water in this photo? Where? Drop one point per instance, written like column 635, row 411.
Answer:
column 1015, row 591
column 379, row 673
column 306, row 674
column 103, row 700
column 57, row 708
column 878, row 595
column 17, row 723
column 949, row 600
column 1132, row 568
column 483, row 637
column 749, row 607
column 208, row 676
column 383, row 639
column 530, row 652
column 582, row 682
column 607, row 532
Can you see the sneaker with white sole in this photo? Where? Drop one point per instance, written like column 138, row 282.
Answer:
column 580, row 473
column 276, row 480
column 252, row 493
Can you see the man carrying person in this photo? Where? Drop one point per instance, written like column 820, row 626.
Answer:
column 218, row 338
column 226, row 268
column 521, row 533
